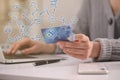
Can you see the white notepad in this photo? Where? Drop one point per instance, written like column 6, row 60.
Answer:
column 92, row 69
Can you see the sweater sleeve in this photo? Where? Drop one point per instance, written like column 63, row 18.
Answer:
column 110, row 49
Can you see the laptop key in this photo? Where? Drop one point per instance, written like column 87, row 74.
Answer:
column 18, row 56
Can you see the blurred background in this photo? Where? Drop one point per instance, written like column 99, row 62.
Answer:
column 25, row 18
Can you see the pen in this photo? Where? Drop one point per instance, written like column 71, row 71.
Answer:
column 45, row 62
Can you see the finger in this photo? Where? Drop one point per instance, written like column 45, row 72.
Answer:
column 81, row 38
column 75, row 51
column 76, row 45
column 28, row 50
column 79, row 56
column 9, row 51
column 82, row 57
column 15, row 48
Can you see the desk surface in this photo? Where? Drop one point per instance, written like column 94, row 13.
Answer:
column 63, row 70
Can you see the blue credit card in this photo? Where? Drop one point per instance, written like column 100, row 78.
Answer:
column 54, row 34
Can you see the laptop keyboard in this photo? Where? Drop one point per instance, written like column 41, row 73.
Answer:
column 17, row 55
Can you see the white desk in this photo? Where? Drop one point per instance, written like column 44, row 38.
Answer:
column 63, row 70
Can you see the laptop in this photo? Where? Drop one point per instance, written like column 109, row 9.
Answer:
column 22, row 58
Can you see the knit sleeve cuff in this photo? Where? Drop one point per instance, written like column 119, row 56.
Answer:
column 106, row 50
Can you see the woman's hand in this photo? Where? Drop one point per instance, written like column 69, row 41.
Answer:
column 28, row 46
column 81, row 48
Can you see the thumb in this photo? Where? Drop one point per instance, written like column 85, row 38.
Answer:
column 81, row 37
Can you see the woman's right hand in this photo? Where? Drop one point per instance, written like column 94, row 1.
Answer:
column 28, row 46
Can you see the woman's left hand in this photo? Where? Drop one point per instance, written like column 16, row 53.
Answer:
column 81, row 48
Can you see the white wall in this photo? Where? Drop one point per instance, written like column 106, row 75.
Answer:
column 66, row 8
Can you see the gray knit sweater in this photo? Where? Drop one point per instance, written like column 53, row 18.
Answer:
column 97, row 21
